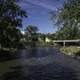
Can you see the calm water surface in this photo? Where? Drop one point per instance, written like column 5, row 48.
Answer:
column 38, row 64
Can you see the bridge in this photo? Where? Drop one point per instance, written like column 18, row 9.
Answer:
column 65, row 41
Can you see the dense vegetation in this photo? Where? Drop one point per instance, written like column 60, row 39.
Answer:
column 68, row 20
column 10, row 19
column 11, row 14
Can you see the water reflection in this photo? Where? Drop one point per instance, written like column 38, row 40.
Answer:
column 48, row 72
column 26, row 53
column 35, row 52
column 23, row 71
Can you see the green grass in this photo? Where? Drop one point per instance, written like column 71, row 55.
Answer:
column 8, row 49
column 71, row 50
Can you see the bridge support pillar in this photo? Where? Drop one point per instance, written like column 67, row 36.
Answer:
column 64, row 43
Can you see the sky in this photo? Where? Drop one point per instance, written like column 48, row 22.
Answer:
column 38, row 12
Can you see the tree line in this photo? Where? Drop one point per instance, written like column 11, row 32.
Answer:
column 11, row 14
column 68, row 20
column 10, row 20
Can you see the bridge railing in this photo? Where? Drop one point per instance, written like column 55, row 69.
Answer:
column 78, row 40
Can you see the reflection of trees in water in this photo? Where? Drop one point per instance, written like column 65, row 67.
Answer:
column 6, row 55
column 28, row 53
column 39, row 72
column 48, row 72
column 33, row 52
column 33, row 44
column 39, row 52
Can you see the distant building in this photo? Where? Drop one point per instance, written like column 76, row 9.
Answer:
column 40, row 39
column 22, row 32
column 47, row 40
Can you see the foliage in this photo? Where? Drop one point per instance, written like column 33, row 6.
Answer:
column 68, row 20
column 31, row 29
column 31, row 33
column 70, row 13
column 68, row 33
column 10, row 18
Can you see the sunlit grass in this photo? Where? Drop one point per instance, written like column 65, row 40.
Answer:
column 71, row 50
column 9, row 49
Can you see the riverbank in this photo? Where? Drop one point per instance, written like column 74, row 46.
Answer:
column 8, row 49
column 73, row 51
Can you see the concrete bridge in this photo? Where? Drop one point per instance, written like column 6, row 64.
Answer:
column 66, row 41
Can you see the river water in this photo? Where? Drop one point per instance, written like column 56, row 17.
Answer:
column 38, row 64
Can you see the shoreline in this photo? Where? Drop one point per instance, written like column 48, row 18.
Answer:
column 73, row 51
column 8, row 49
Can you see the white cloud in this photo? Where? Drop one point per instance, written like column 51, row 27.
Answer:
column 41, row 4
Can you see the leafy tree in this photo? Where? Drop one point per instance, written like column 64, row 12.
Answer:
column 51, row 36
column 31, row 29
column 10, row 18
column 68, row 33
column 31, row 32
column 68, row 20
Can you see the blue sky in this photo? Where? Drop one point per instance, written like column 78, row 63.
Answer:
column 38, row 13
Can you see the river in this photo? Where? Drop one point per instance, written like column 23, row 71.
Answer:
column 38, row 64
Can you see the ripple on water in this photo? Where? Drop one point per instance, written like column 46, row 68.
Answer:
column 48, row 72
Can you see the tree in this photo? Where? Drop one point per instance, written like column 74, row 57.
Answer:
column 31, row 32
column 10, row 18
column 31, row 29
column 68, row 20
column 68, row 33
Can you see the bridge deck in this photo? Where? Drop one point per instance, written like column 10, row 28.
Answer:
column 78, row 40
column 65, row 41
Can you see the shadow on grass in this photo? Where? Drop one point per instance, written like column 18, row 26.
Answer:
column 48, row 72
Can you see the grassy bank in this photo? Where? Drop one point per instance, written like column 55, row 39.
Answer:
column 8, row 49
column 71, row 50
